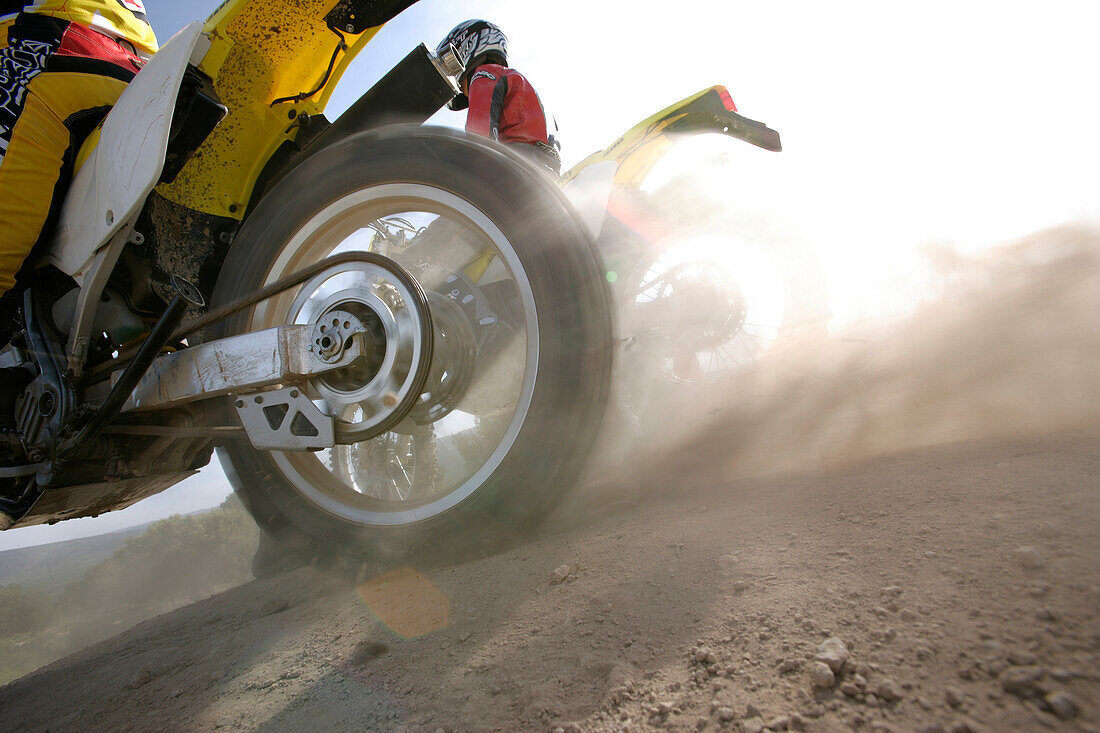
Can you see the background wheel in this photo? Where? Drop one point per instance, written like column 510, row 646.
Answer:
column 715, row 296
column 522, row 357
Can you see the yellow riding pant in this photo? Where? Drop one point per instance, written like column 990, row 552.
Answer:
column 57, row 81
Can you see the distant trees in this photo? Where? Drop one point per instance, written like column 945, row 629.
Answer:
column 176, row 561
column 24, row 610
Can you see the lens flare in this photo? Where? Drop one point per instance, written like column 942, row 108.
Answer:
column 406, row 602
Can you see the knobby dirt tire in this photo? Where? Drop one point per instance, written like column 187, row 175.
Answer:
column 574, row 339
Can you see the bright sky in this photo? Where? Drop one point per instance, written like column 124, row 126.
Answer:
column 970, row 122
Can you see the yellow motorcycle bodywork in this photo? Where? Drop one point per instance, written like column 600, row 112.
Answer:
column 269, row 62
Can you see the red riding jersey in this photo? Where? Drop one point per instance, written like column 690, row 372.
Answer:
column 505, row 107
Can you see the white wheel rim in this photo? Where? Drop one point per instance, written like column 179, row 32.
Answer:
column 329, row 232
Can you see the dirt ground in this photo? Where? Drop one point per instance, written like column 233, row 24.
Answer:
column 962, row 581
column 893, row 535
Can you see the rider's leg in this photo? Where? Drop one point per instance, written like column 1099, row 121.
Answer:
column 57, row 80
column 37, row 166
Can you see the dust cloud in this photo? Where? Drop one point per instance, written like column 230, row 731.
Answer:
column 1001, row 344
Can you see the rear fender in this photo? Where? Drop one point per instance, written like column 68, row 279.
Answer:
column 637, row 151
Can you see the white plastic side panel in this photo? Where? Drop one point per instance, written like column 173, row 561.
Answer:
column 111, row 187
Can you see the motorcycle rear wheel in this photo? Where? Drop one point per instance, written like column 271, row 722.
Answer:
column 489, row 456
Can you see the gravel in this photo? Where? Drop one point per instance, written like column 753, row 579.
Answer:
column 849, row 688
column 822, row 676
column 888, row 690
column 752, row 725
column 142, row 677
column 789, row 665
column 1028, row 557
column 1062, row 704
column 1022, row 681
column 834, row 653
column 560, row 574
column 781, row 722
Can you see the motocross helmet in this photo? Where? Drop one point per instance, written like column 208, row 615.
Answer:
column 475, row 42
